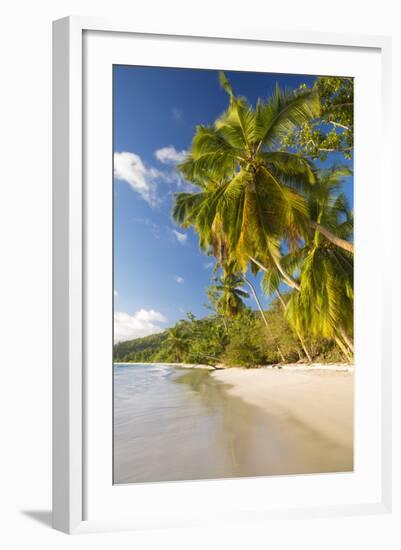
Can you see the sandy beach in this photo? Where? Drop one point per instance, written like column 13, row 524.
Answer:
column 178, row 422
column 319, row 400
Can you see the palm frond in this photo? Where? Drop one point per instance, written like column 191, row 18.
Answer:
column 237, row 124
column 291, row 169
column 284, row 112
column 211, row 157
column 271, row 281
column 225, row 83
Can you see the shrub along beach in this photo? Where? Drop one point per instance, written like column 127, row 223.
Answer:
column 268, row 199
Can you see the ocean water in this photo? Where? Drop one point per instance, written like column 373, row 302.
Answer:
column 175, row 424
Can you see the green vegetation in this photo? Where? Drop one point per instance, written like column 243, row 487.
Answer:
column 261, row 204
column 241, row 340
column 331, row 131
column 140, row 349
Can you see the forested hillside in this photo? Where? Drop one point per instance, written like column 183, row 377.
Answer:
column 140, row 349
column 242, row 340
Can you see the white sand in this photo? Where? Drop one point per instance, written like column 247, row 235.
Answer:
column 321, row 400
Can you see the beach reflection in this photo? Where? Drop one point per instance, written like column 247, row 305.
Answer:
column 178, row 424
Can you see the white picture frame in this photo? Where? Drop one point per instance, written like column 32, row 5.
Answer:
column 70, row 424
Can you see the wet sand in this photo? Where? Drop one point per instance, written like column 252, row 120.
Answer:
column 185, row 424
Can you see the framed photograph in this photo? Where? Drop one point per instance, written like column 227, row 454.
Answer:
column 220, row 324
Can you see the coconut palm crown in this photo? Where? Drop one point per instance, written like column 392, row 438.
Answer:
column 322, row 303
column 248, row 193
column 229, row 286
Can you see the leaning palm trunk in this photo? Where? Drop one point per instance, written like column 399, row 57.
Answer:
column 281, row 354
column 308, row 355
column 215, row 359
column 342, row 243
column 287, row 278
column 262, row 313
column 347, row 348
column 296, row 330
column 346, row 339
column 342, row 347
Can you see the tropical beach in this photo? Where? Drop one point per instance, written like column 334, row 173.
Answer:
column 233, row 274
column 185, row 423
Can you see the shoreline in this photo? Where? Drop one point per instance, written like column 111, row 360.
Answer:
column 178, row 365
column 273, row 420
column 336, row 367
column 320, row 400
column 317, row 396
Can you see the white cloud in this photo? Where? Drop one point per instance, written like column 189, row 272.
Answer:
column 142, row 323
column 130, row 168
column 115, row 293
column 144, row 179
column 179, row 279
column 181, row 237
column 169, row 155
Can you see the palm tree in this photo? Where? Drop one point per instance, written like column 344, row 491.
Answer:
column 247, row 190
column 322, row 301
column 231, row 298
column 327, row 272
column 253, row 199
column 231, row 303
column 249, row 193
column 298, row 334
column 262, row 313
column 177, row 342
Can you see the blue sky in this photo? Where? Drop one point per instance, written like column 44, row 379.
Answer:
column 159, row 272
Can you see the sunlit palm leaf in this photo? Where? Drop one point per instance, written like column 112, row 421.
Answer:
column 284, row 112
